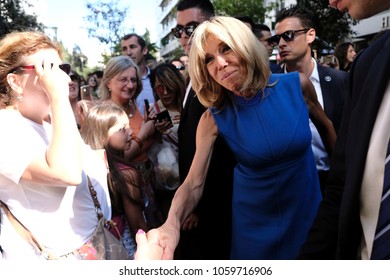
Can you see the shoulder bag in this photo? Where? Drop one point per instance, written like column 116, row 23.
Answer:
column 104, row 244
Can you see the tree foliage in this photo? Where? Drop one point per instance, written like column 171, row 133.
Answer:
column 331, row 25
column 14, row 18
column 255, row 9
column 105, row 21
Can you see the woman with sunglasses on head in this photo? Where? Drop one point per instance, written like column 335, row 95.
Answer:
column 179, row 66
column 168, row 88
column 44, row 166
column 264, row 120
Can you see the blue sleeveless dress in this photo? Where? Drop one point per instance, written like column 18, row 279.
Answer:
column 276, row 191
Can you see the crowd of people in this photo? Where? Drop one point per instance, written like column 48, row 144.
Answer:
column 218, row 153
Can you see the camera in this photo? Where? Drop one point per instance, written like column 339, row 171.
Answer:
column 85, row 92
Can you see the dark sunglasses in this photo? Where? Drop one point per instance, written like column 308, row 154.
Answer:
column 180, row 67
column 74, row 78
column 287, row 36
column 64, row 67
column 160, row 89
column 188, row 29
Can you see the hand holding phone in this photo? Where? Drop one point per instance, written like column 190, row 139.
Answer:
column 86, row 93
column 147, row 107
column 164, row 116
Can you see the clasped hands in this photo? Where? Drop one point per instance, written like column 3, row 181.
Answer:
column 156, row 244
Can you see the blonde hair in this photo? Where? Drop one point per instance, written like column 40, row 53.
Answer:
column 97, row 123
column 243, row 43
column 15, row 47
column 94, row 132
column 115, row 66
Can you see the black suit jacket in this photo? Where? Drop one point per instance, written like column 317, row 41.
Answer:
column 337, row 230
column 334, row 86
column 214, row 208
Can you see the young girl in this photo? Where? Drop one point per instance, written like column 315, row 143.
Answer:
column 107, row 127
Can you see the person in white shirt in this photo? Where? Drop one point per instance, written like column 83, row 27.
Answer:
column 44, row 163
column 295, row 34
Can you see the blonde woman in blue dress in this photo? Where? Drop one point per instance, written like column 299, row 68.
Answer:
column 264, row 119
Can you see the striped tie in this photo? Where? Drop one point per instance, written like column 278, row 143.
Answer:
column 381, row 246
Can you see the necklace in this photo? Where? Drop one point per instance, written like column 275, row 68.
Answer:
column 130, row 109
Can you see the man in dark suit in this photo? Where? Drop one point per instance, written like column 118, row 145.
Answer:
column 347, row 218
column 263, row 33
column 295, row 34
column 201, row 238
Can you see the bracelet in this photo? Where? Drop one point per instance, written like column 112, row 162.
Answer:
column 139, row 141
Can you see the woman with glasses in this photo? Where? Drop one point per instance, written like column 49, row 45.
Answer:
column 44, row 166
column 120, row 85
column 264, row 120
column 168, row 88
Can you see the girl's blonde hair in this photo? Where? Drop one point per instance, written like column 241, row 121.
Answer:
column 243, row 43
column 97, row 123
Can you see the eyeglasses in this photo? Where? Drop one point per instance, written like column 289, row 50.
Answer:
column 287, row 36
column 188, row 29
column 124, row 80
column 64, row 67
column 160, row 89
column 180, row 67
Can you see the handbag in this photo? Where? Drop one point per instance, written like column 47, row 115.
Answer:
column 107, row 246
column 164, row 157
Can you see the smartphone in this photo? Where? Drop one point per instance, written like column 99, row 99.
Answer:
column 147, row 107
column 85, row 93
column 164, row 115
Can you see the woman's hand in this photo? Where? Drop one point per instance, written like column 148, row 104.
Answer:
column 147, row 130
column 53, row 80
column 163, row 126
column 164, row 238
column 148, row 247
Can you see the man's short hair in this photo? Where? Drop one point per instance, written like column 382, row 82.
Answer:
column 259, row 28
column 205, row 6
column 246, row 19
column 298, row 11
column 140, row 40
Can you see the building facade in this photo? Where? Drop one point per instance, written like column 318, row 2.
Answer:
column 169, row 45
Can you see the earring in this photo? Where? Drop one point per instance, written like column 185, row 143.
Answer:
column 19, row 98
